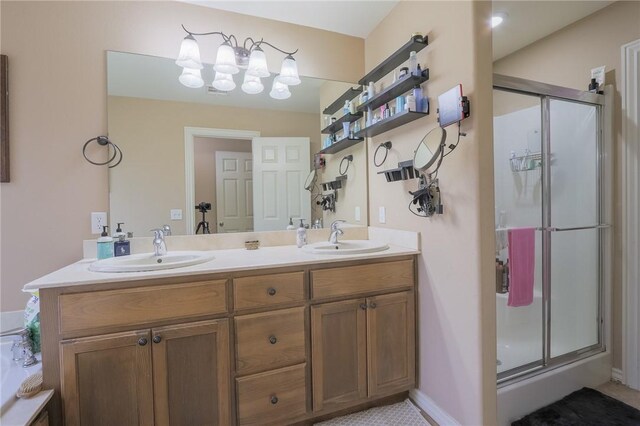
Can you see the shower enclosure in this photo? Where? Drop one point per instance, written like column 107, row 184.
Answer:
column 549, row 175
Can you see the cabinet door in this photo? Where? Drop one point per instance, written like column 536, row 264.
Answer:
column 191, row 373
column 338, row 332
column 391, row 343
column 106, row 380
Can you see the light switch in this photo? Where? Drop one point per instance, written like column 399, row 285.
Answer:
column 382, row 215
column 357, row 214
column 176, row 214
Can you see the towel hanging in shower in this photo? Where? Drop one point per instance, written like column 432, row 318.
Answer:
column 522, row 246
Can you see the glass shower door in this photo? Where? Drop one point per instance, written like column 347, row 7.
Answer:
column 573, row 226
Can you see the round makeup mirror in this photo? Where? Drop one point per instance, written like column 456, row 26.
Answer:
column 311, row 180
column 429, row 150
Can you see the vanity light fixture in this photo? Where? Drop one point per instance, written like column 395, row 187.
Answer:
column 230, row 58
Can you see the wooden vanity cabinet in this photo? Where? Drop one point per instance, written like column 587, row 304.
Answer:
column 173, row 375
column 282, row 346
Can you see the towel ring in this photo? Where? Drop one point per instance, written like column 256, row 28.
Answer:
column 348, row 159
column 103, row 141
column 387, row 147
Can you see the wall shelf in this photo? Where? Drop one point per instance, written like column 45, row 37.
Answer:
column 404, row 171
column 398, row 88
column 417, row 43
column 340, row 145
column 334, row 184
column 339, row 103
column 336, row 126
column 390, row 123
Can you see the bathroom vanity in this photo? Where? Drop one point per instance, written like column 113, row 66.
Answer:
column 273, row 345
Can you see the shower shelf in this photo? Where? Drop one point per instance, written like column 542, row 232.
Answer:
column 527, row 162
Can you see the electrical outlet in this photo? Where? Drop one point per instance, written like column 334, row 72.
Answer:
column 357, row 214
column 382, row 215
column 98, row 220
column 176, row 214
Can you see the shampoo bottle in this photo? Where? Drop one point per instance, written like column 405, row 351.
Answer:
column 417, row 93
column 301, row 235
column 105, row 245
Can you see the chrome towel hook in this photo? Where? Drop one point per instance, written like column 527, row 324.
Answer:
column 104, row 141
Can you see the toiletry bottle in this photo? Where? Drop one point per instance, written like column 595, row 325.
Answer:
column 301, row 234
column 411, row 102
column 105, row 245
column 345, row 108
column 369, row 117
column 417, row 93
column 400, row 104
column 413, row 63
column 352, row 107
column 371, row 90
column 290, row 226
column 122, row 247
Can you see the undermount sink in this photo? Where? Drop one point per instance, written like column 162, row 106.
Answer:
column 150, row 262
column 346, row 247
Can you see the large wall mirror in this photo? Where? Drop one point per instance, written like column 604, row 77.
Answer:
column 246, row 156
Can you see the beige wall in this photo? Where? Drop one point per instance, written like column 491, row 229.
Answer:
column 58, row 100
column 457, row 350
column 150, row 181
column 204, row 159
column 566, row 58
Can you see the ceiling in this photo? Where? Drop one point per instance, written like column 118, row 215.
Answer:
column 527, row 22
column 352, row 17
column 151, row 77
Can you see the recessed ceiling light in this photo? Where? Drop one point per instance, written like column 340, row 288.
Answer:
column 497, row 19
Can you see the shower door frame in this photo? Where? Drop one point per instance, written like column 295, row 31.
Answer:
column 546, row 93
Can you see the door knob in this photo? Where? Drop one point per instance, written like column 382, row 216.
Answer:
column 142, row 341
column 372, row 305
column 157, row 338
column 363, row 306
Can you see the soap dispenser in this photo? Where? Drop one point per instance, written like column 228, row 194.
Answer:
column 119, row 232
column 301, row 235
column 121, row 247
column 290, row 226
column 105, row 245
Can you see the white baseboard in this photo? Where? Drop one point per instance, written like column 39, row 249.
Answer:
column 616, row 375
column 432, row 409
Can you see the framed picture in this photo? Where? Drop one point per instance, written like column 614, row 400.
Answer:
column 4, row 119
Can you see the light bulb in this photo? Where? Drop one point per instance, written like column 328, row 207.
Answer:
column 191, row 78
column 226, row 60
column 258, row 63
column 289, row 72
column 189, row 56
column 223, row 81
column 251, row 85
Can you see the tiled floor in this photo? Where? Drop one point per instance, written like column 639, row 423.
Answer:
column 621, row 393
column 403, row 413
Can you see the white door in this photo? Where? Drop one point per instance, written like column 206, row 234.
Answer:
column 280, row 167
column 234, row 192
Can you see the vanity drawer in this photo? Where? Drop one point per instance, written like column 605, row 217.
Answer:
column 274, row 397
column 268, row 290
column 141, row 305
column 269, row 340
column 361, row 279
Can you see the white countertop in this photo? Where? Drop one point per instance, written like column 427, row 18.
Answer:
column 224, row 261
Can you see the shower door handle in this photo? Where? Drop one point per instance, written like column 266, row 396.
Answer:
column 579, row 228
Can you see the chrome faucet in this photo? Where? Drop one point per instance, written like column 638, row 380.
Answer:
column 335, row 231
column 22, row 346
column 159, row 245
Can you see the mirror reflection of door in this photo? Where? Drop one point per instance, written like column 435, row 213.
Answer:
column 234, row 192
column 216, row 182
column 281, row 166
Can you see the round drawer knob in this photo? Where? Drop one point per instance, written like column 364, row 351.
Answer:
column 142, row 341
column 274, row 400
column 363, row 306
column 271, row 291
column 273, row 340
column 373, row 305
column 157, row 338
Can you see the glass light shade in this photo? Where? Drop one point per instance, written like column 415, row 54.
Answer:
column 189, row 56
column 226, row 60
column 223, row 81
column 191, row 77
column 279, row 90
column 252, row 85
column 289, row 72
column 496, row 20
column 258, row 64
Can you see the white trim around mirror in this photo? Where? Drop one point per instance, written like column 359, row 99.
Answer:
column 190, row 133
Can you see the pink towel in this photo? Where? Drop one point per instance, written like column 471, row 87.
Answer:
column 522, row 246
